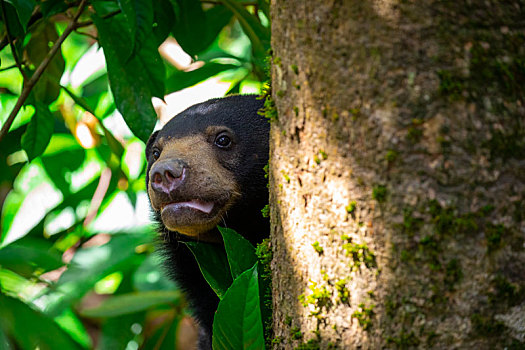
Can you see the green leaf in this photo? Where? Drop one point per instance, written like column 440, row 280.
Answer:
column 213, row 264
column 117, row 332
column 163, row 19
column 139, row 19
column 24, row 9
column 237, row 323
column 240, row 252
column 92, row 90
column 10, row 145
column 63, row 161
column 133, row 302
column 193, row 22
column 5, row 344
column 73, row 326
column 149, row 276
column 256, row 32
column 216, row 18
column 39, row 131
column 79, row 100
column 22, row 322
column 115, row 146
column 165, row 336
column 13, row 23
column 134, row 80
column 28, row 254
column 47, row 88
column 180, row 80
column 106, row 8
column 12, row 283
column 89, row 265
column 52, row 7
column 235, row 89
column 190, row 26
column 264, row 6
column 12, row 204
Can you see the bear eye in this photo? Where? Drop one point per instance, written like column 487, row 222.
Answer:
column 155, row 154
column 223, row 141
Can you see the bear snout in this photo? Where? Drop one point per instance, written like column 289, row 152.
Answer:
column 167, row 175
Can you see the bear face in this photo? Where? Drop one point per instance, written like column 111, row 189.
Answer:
column 206, row 161
column 206, row 167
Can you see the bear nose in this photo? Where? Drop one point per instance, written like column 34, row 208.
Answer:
column 167, row 175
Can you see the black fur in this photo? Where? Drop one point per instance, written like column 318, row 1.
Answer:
column 239, row 113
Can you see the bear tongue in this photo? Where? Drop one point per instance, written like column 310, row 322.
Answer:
column 205, row 207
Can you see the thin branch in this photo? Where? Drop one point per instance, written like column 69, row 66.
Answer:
column 38, row 73
column 8, row 67
column 11, row 44
column 86, row 34
column 98, row 196
column 35, row 16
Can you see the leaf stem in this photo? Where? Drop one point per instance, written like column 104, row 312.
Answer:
column 35, row 17
column 28, row 86
column 8, row 67
column 86, row 34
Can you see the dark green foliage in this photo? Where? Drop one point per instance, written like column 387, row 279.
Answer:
column 39, row 131
column 18, row 317
column 134, row 79
column 243, row 310
column 57, row 189
column 213, row 264
column 238, row 320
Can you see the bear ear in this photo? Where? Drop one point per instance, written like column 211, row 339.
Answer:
column 150, row 143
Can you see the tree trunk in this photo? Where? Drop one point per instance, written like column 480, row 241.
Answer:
column 397, row 174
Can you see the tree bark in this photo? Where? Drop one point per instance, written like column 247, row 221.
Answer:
column 397, row 174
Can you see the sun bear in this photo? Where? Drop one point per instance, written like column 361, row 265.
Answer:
column 206, row 167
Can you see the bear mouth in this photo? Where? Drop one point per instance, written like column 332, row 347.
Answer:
column 194, row 218
column 194, row 204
